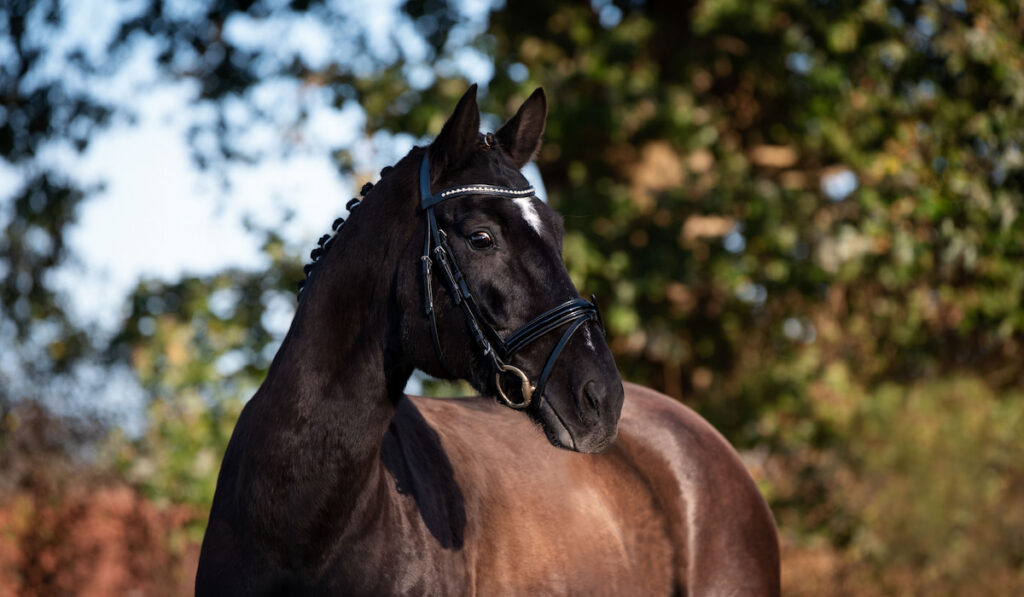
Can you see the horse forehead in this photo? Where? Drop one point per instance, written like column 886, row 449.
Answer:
column 521, row 214
column 526, row 207
column 529, row 213
column 502, row 173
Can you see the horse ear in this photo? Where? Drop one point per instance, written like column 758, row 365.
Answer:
column 458, row 137
column 520, row 137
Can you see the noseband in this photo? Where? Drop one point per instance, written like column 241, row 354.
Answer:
column 574, row 312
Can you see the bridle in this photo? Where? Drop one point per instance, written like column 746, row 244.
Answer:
column 574, row 312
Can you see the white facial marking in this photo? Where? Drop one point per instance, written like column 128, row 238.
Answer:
column 586, row 336
column 529, row 212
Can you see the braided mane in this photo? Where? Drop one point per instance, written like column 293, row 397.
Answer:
column 327, row 240
column 485, row 142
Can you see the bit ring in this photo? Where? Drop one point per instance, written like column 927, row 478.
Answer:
column 526, row 386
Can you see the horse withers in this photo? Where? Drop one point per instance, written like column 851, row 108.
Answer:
column 335, row 482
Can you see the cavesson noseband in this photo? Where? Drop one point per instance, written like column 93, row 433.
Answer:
column 574, row 312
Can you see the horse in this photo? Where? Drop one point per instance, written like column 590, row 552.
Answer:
column 336, row 482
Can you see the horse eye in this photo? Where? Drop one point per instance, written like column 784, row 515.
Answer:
column 481, row 240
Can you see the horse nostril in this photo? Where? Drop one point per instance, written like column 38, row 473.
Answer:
column 592, row 393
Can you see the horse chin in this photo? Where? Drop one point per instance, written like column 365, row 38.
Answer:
column 596, row 443
column 560, row 436
column 555, row 430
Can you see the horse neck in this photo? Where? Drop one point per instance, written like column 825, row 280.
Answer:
column 319, row 419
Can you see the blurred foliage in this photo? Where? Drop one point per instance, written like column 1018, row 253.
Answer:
column 43, row 350
column 40, row 343
column 926, row 493
column 772, row 179
column 939, row 497
column 198, row 346
column 803, row 218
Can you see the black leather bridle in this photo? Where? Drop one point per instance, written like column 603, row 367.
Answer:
column 574, row 312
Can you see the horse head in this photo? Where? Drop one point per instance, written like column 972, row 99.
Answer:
column 494, row 304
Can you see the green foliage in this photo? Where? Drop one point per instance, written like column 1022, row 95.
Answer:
column 199, row 347
column 697, row 147
column 40, row 342
column 941, row 482
column 924, row 488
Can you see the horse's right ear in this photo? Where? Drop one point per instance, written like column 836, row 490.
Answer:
column 458, row 137
column 520, row 136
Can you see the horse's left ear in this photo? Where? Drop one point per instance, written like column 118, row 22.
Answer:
column 520, row 137
column 455, row 143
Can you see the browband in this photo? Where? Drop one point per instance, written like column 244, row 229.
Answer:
column 428, row 200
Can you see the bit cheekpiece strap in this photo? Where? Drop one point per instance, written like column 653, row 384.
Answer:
column 436, row 252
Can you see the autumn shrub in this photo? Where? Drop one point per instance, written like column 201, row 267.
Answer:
column 925, row 493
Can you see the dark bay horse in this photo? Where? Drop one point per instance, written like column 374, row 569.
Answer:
column 335, row 482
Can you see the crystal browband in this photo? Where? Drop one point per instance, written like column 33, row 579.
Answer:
column 486, row 189
column 428, row 199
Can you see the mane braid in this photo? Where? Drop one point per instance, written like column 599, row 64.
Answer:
column 327, row 240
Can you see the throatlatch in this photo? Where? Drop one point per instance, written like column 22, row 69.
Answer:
column 436, row 252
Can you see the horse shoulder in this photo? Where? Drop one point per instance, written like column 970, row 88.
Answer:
column 230, row 563
column 723, row 531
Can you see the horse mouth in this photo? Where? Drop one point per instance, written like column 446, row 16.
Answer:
column 554, row 427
